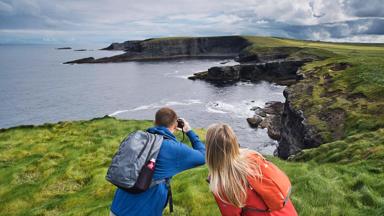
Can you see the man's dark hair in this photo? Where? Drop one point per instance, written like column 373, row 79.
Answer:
column 165, row 117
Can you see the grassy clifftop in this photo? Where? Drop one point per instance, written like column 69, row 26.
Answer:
column 59, row 169
column 341, row 95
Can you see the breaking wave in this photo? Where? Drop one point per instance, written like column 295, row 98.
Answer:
column 158, row 105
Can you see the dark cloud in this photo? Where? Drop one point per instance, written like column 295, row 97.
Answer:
column 364, row 8
column 117, row 20
column 338, row 30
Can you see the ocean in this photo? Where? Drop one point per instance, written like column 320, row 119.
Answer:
column 36, row 88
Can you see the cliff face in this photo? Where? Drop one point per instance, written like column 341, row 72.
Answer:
column 295, row 133
column 279, row 72
column 169, row 48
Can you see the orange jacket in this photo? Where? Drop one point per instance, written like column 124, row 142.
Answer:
column 254, row 200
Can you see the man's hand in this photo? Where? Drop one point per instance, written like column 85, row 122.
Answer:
column 186, row 127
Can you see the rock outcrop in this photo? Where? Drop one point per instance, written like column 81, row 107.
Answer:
column 171, row 48
column 270, row 117
column 63, row 48
column 282, row 72
column 254, row 121
column 295, row 133
column 80, row 61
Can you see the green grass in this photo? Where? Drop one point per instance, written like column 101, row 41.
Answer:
column 59, row 169
column 337, row 103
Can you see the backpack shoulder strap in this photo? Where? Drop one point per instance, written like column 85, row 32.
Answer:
column 167, row 182
column 252, row 209
column 169, row 196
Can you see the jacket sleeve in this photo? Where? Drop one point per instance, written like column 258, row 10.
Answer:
column 191, row 157
column 196, row 143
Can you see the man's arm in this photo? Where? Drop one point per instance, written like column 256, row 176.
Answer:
column 188, row 157
column 191, row 157
column 196, row 143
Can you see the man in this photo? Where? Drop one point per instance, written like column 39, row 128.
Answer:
column 174, row 157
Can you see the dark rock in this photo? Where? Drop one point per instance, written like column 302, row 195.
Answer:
column 272, row 121
column 295, row 133
column 339, row 66
column 81, row 61
column 259, row 111
column 254, row 121
column 264, row 124
column 63, row 48
column 273, row 72
column 274, row 107
column 199, row 75
column 274, row 126
column 80, row 50
column 223, row 74
column 133, row 46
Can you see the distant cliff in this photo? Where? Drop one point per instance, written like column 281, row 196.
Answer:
column 170, row 48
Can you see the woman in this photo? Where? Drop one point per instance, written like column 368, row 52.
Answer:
column 239, row 178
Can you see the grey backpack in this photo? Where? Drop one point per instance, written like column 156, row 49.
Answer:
column 134, row 154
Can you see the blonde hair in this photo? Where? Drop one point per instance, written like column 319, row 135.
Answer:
column 228, row 165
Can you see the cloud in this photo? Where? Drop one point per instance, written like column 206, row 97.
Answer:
column 363, row 8
column 5, row 8
column 117, row 20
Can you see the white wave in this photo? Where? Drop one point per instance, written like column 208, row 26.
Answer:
column 185, row 103
column 211, row 110
column 144, row 107
column 240, row 109
column 171, row 73
column 183, row 76
column 177, row 74
column 158, row 105
column 245, row 84
column 118, row 112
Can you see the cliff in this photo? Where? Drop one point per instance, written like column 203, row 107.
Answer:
column 171, row 48
column 282, row 72
column 295, row 134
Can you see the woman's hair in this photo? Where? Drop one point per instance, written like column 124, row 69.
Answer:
column 228, row 165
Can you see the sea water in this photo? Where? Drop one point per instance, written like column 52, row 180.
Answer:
column 35, row 88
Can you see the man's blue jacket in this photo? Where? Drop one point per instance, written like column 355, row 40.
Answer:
column 174, row 157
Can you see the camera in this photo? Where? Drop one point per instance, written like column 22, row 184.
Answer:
column 180, row 123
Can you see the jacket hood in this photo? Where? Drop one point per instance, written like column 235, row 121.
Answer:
column 161, row 130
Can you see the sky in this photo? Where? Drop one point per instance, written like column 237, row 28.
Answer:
column 105, row 21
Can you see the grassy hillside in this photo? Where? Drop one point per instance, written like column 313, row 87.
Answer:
column 341, row 95
column 59, row 169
